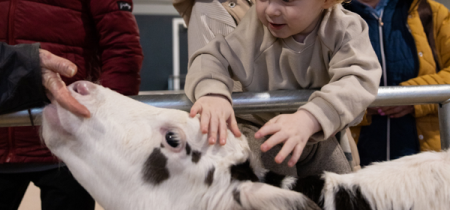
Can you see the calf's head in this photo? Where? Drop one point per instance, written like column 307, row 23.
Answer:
column 130, row 155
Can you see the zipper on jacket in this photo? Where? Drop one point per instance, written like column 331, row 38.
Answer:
column 10, row 145
column 10, row 40
column 383, row 65
column 12, row 8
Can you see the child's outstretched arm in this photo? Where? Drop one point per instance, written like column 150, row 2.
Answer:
column 216, row 114
column 293, row 130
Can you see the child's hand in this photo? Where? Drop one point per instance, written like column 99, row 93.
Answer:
column 216, row 113
column 292, row 129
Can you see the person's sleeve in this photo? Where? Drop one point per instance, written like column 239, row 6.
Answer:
column 442, row 42
column 121, row 52
column 355, row 74
column 184, row 8
column 212, row 67
column 207, row 20
column 20, row 78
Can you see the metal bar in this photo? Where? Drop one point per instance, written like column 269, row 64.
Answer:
column 271, row 101
column 21, row 118
column 411, row 95
column 176, row 22
column 444, row 124
column 245, row 102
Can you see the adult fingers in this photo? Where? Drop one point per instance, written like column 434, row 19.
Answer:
column 381, row 110
column 406, row 110
column 385, row 108
column 393, row 110
column 399, row 114
column 275, row 139
column 59, row 92
column 57, row 64
column 65, row 99
column 296, row 155
column 372, row 110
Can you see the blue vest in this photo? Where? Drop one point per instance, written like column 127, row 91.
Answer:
column 402, row 64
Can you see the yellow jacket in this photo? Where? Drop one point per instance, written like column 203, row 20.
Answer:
column 427, row 121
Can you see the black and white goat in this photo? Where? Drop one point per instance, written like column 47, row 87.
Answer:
column 131, row 156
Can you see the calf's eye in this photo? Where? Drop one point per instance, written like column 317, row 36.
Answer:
column 172, row 139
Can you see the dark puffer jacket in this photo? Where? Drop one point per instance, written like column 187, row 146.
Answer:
column 100, row 36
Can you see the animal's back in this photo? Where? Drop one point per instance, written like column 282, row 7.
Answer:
column 414, row 182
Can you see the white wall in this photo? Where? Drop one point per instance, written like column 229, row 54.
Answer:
column 153, row 7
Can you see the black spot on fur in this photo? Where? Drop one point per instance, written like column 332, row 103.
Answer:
column 162, row 145
column 243, row 172
column 273, row 179
column 349, row 201
column 155, row 170
column 196, row 155
column 311, row 187
column 188, row 149
column 237, row 196
column 210, row 177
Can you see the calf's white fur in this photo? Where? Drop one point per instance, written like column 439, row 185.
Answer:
column 131, row 156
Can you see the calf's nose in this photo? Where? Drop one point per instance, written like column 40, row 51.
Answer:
column 82, row 87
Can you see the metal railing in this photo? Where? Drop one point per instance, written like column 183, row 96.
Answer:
column 285, row 101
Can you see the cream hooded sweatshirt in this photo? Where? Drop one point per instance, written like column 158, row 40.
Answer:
column 337, row 58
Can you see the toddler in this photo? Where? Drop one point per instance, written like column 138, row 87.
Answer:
column 289, row 44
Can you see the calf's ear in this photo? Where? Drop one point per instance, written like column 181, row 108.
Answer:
column 255, row 195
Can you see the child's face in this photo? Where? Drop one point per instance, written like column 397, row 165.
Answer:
column 285, row 18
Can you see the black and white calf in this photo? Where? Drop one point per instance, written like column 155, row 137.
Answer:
column 132, row 156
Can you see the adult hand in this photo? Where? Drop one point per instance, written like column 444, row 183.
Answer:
column 392, row 111
column 373, row 110
column 216, row 114
column 52, row 66
column 396, row 111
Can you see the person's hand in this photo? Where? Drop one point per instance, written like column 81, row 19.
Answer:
column 396, row 111
column 373, row 110
column 292, row 129
column 216, row 114
column 392, row 111
column 52, row 66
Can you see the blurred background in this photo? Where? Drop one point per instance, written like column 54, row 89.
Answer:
column 155, row 18
column 160, row 27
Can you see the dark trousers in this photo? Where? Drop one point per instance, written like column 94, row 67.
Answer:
column 372, row 144
column 59, row 190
